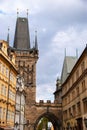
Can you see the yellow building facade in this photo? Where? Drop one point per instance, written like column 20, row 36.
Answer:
column 74, row 96
column 8, row 75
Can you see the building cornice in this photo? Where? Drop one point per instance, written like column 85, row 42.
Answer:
column 74, row 84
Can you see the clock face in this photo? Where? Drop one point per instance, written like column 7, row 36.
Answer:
column 23, row 20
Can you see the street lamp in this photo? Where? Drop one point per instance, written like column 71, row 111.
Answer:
column 85, row 121
column 16, row 124
column 27, row 123
column 68, row 125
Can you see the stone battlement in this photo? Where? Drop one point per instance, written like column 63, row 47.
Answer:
column 48, row 103
column 42, row 101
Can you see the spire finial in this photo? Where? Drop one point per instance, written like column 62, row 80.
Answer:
column 27, row 13
column 33, row 44
column 77, row 53
column 36, row 46
column 8, row 29
column 65, row 52
column 8, row 35
column 57, row 78
column 17, row 12
column 36, row 33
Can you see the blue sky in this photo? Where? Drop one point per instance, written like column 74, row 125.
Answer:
column 60, row 24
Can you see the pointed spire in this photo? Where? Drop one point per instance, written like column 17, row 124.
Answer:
column 27, row 13
column 17, row 12
column 58, row 83
column 8, row 36
column 65, row 52
column 77, row 53
column 58, row 80
column 36, row 46
column 33, row 44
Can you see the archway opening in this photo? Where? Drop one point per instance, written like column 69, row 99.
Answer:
column 47, row 121
column 45, row 124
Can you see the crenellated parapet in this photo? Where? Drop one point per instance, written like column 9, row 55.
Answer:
column 48, row 103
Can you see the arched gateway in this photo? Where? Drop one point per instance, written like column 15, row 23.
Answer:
column 26, row 59
column 52, row 118
column 52, row 111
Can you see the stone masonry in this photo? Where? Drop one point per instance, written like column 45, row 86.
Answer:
column 26, row 59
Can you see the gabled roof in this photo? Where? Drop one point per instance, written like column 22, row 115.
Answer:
column 68, row 64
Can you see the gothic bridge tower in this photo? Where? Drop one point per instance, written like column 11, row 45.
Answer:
column 26, row 59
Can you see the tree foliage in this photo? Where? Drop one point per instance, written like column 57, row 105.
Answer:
column 43, row 124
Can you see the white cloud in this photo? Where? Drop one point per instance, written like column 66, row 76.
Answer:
column 59, row 24
column 71, row 39
column 44, row 29
column 51, row 62
column 38, row 5
column 45, row 92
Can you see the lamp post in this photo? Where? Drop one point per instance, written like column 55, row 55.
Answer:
column 68, row 125
column 16, row 125
column 85, row 121
column 29, row 125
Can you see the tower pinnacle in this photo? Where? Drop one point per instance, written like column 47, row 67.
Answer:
column 27, row 13
column 36, row 45
column 17, row 12
column 8, row 36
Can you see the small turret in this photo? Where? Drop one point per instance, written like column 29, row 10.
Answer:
column 36, row 45
column 8, row 36
column 58, row 84
column 17, row 12
column 27, row 13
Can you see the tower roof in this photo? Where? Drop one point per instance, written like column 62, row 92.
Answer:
column 68, row 64
column 22, row 38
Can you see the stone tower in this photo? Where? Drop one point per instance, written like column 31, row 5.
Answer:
column 26, row 58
